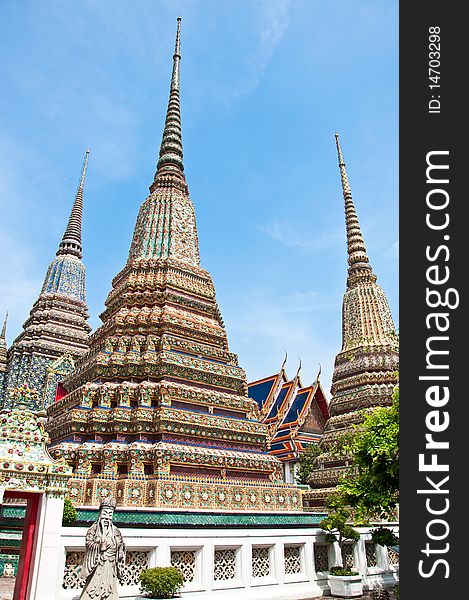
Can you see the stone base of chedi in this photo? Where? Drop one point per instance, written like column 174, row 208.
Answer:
column 218, row 465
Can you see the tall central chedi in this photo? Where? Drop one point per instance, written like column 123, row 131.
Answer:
column 365, row 370
column 157, row 412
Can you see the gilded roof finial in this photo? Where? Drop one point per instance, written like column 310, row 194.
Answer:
column 299, row 369
column 170, row 160
column 71, row 241
column 357, row 257
column 319, row 372
column 284, row 362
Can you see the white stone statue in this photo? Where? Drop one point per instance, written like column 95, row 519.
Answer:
column 104, row 556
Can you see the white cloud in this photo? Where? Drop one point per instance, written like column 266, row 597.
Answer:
column 273, row 17
column 288, row 235
column 262, row 327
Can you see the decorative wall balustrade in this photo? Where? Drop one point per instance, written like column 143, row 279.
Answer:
column 215, row 561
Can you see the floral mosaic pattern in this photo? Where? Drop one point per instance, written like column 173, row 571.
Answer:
column 292, row 557
column 224, row 564
column 370, row 551
column 185, row 561
column 321, row 558
column 260, row 562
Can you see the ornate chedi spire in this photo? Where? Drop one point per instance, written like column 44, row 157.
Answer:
column 57, row 325
column 166, row 226
column 170, row 162
column 3, row 357
column 71, row 241
column 365, row 370
column 169, row 423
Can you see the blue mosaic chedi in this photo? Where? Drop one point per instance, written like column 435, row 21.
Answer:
column 56, row 331
column 65, row 275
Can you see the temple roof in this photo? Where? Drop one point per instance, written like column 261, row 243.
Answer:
column 261, row 389
column 289, row 405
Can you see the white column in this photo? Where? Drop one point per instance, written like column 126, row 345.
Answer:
column 279, row 562
column 48, row 551
column 361, row 556
column 207, row 565
column 309, row 560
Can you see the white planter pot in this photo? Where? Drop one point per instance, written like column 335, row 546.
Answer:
column 346, row 586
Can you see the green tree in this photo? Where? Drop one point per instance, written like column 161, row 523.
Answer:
column 338, row 529
column 307, row 463
column 371, row 487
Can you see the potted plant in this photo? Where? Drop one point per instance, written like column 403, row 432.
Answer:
column 161, row 582
column 343, row 582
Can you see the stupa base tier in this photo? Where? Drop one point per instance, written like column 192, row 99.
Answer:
column 179, row 493
column 315, row 500
column 327, row 476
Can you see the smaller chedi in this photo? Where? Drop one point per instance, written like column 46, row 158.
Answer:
column 366, row 368
column 104, row 556
column 56, row 331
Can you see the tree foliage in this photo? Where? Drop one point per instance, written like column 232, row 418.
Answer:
column 307, row 463
column 384, row 537
column 337, row 523
column 372, row 485
column 161, row 582
column 70, row 512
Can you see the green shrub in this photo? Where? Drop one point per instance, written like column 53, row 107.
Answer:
column 70, row 512
column 161, row 582
column 384, row 537
column 342, row 571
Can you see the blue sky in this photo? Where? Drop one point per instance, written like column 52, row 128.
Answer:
column 265, row 84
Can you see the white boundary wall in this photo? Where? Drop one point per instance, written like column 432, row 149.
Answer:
column 304, row 584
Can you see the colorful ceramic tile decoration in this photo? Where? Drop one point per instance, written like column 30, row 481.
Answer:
column 57, row 329
column 25, row 463
column 3, row 358
column 157, row 412
column 366, row 368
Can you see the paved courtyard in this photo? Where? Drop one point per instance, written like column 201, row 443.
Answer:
column 7, row 585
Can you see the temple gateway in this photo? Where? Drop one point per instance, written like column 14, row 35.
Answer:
column 153, row 413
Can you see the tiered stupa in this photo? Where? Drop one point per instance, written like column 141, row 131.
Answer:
column 158, row 413
column 57, row 331
column 365, row 370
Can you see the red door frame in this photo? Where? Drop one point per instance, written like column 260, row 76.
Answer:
column 25, row 562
